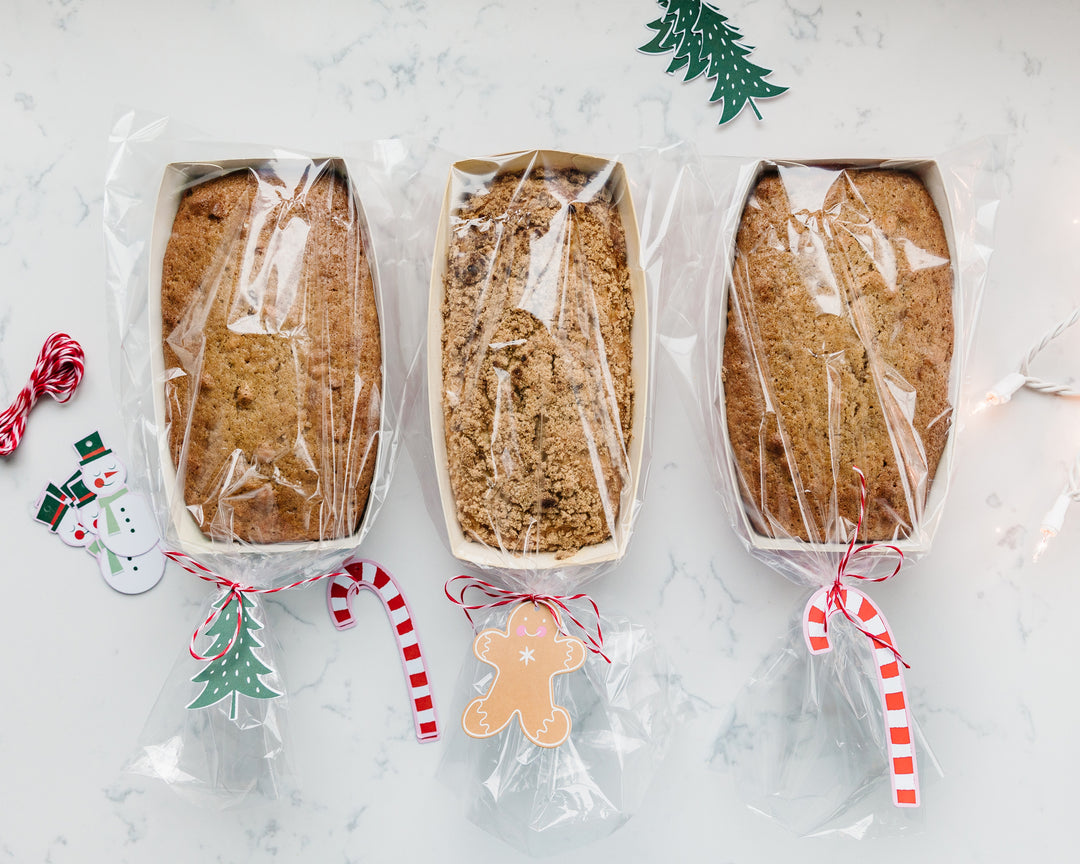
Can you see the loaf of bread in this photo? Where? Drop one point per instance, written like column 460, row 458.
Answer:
column 273, row 357
column 536, row 361
column 837, row 352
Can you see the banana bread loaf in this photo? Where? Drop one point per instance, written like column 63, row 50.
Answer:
column 273, row 357
column 536, row 361
column 837, row 352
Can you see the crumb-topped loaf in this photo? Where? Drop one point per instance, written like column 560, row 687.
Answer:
column 838, row 351
column 536, row 361
column 273, row 357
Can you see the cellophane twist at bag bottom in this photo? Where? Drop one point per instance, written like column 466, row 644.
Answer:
column 262, row 359
column 822, row 344
column 539, row 373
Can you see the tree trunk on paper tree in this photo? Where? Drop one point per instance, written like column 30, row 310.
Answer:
column 236, row 672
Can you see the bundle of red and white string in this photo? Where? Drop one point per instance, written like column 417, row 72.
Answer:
column 58, row 371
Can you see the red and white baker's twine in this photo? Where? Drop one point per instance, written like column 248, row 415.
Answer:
column 868, row 620
column 593, row 637
column 236, row 592
column 834, row 592
column 58, row 371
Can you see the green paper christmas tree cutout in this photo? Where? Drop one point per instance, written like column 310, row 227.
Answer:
column 237, row 671
column 705, row 44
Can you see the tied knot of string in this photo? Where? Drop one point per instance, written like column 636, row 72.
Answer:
column 592, row 635
column 834, row 598
column 58, row 371
column 232, row 591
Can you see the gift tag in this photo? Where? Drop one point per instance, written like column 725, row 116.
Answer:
column 363, row 575
column 56, row 510
column 235, row 670
column 125, row 525
column 868, row 620
column 527, row 656
column 95, row 510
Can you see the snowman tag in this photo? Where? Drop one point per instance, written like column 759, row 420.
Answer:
column 117, row 528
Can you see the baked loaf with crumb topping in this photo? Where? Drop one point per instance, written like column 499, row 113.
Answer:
column 837, row 352
column 536, row 361
column 273, row 357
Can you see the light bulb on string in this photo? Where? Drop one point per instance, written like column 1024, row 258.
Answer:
column 1054, row 519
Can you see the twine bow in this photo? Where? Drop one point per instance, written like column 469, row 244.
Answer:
column 235, row 591
column 592, row 637
column 58, row 371
column 834, row 600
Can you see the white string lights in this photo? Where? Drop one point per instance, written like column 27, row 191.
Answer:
column 1003, row 391
column 1055, row 516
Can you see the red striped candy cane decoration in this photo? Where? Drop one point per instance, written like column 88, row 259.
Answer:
column 859, row 609
column 367, row 575
column 58, row 371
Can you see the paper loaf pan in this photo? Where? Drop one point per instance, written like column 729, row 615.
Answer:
column 469, row 176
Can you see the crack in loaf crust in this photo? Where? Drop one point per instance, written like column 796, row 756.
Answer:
column 845, row 314
column 536, row 362
column 273, row 358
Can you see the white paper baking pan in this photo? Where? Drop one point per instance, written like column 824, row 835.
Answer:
column 471, row 173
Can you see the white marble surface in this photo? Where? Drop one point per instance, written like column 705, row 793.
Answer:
column 989, row 634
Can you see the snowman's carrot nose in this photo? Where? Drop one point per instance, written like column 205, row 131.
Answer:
column 109, row 474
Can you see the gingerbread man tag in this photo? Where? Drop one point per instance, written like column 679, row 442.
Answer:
column 527, row 656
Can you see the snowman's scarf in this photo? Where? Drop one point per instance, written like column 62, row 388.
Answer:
column 97, row 547
column 112, row 524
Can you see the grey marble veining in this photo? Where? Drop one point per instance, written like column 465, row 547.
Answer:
column 988, row 633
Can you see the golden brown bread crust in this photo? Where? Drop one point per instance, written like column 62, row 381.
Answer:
column 273, row 358
column 536, row 362
column 846, row 315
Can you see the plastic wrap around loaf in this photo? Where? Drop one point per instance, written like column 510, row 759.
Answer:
column 271, row 350
column 537, row 360
column 838, row 352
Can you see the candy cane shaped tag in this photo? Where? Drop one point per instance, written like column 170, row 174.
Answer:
column 366, row 575
column 860, row 610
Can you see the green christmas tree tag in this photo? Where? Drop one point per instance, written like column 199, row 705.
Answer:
column 234, row 669
column 705, row 44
